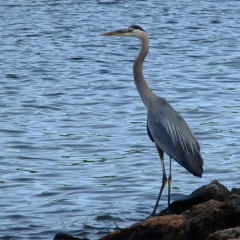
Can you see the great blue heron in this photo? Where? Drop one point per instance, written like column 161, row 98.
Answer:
column 165, row 126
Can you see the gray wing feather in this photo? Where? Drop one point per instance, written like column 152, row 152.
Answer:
column 172, row 134
column 149, row 133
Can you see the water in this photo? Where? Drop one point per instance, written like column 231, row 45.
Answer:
column 75, row 155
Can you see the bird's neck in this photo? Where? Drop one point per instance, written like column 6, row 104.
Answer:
column 145, row 92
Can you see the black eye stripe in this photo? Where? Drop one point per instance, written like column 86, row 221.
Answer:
column 136, row 27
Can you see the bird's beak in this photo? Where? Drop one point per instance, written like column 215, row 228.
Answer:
column 118, row 33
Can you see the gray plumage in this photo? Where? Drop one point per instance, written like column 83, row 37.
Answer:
column 165, row 126
column 174, row 136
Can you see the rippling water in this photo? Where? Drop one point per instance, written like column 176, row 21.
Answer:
column 75, row 155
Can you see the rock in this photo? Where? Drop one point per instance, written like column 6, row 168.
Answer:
column 63, row 236
column 226, row 234
column 235, row 191
column 206, row 218
column 211, row 212
column 163, row 227
column 214, row 190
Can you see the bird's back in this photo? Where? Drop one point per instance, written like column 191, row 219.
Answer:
column 172, row 134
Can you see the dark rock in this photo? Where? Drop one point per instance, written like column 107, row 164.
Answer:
column 214, row 190
column 226, row 234
column 158, row 227
column 235, row 191
column 63, row 236
column 206, row 218
column 203, row 219
column 211, row 212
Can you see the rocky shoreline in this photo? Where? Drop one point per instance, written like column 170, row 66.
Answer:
column 211, row 212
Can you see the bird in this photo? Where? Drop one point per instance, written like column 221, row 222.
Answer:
column 166, row 128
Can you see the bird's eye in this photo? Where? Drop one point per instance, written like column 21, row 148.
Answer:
column 130, row 29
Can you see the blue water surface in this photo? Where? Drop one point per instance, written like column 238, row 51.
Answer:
column 75, row 156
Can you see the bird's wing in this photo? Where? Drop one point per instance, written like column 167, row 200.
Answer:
column 149, row 133
column 172, row 134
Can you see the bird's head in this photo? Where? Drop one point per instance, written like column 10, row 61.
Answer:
column 132, row 31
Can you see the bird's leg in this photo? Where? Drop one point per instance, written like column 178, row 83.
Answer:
column 169, row 184
column 164, row 179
